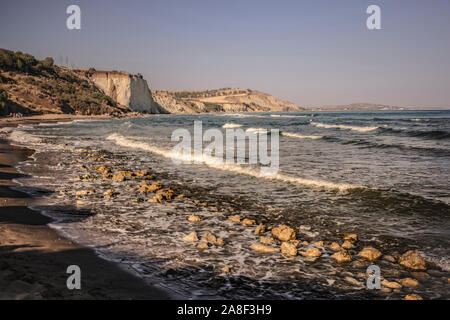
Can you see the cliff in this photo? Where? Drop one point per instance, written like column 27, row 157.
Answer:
column 126, row 89
column 221, row 100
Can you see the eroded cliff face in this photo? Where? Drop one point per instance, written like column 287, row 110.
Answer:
column 127, row 89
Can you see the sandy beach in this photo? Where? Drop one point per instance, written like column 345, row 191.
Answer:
column 34, row 258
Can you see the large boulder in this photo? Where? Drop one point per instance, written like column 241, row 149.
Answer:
column 284, row 233
column 288, row 249
column 412, row 260
column 311, row 253
column 369, row 253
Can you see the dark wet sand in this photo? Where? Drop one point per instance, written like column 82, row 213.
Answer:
column 34, row 258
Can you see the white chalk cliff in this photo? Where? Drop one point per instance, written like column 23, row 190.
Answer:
column 127, row 89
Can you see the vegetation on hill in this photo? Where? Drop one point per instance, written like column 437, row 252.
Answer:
column 38, row 86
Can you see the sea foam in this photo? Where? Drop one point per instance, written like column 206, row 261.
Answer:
column 220, row 164
column 343, row 127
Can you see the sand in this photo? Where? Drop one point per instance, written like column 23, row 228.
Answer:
column 34, row 258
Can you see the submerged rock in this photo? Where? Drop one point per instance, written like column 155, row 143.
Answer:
column 335, row 246
column 353, row 281
column 284, row 233
column 413, row 297
column 348, row 245
column 342, row 256
column 164, row 195
column 311, row 253
column 145, row 187
column 103, row 169
column 87, row 177
column 260, row 229
column 191, row 237
column 288, row 248
column 369, row 253
column 203, row 245
column 194, row 218
column 248, row 222
column 391, row 284
column 409, row 282
column 267, row 240
column 210, row 238
column 319, row 243
column 118, row 177
column 234, row 219
column 110, row 193
column 352, row 237
column 263, row 248
column 84, row 192
column 412, row 260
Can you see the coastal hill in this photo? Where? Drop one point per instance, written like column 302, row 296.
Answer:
column 221, row 100
column 32, row 86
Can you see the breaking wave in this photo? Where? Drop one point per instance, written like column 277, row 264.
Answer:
column 299, row 136
column 343, row 127
column 220, row 164
column 231, row 125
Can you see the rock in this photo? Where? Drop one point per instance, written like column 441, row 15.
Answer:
column 126, row 173
column 342, row 256
column 191, row 237
column 412, row 260
column 413, row 297
column 79, row 202
column 391, row 284
column 260, row 229
column 409, row 282
column 369, row 253
column 284, row 233
column 311, row 252
column 84, row 192
column 263, row 248
column 295, row 242
column 234, row 219
column 203, row 245
column 348, row 245
column 385, row 290
column 118, row 177
column 144, row 187
column 164, row 195
column 248, row 222
column 353, row 281
column 87, row 177
column 194, row 218
column 103, row 169
column 319, row 243
column 107, row 176
column 141, row 173
column 288, row 248
column 226, row 270
column 352, row 237
column 389, row 258
column 210, row 238
column 335, row 246
column 267, row 240
column 110, row 193
column 420, row 275
column 137, row 200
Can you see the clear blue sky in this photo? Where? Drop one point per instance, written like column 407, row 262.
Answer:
column 308, row 52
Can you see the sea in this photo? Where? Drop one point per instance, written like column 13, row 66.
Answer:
column 383, row 175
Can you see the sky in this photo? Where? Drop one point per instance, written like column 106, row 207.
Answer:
column 312, row 53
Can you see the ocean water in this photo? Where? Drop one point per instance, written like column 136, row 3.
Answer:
column 382, row 175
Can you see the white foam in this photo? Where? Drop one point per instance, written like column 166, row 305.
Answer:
column 220, row 164
column 299, row 136
column 258, row 130
column 23, row 137
column 285, row 116
column 231, row 125
column 343, row 127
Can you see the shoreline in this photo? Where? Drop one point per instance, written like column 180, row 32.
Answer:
column 34, row 257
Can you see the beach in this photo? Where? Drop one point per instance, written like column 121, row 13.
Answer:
column 34, row 258
column 211, row 231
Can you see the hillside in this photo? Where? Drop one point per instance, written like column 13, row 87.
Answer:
column 32, row 86
column 221, row 100
column 357, row 107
